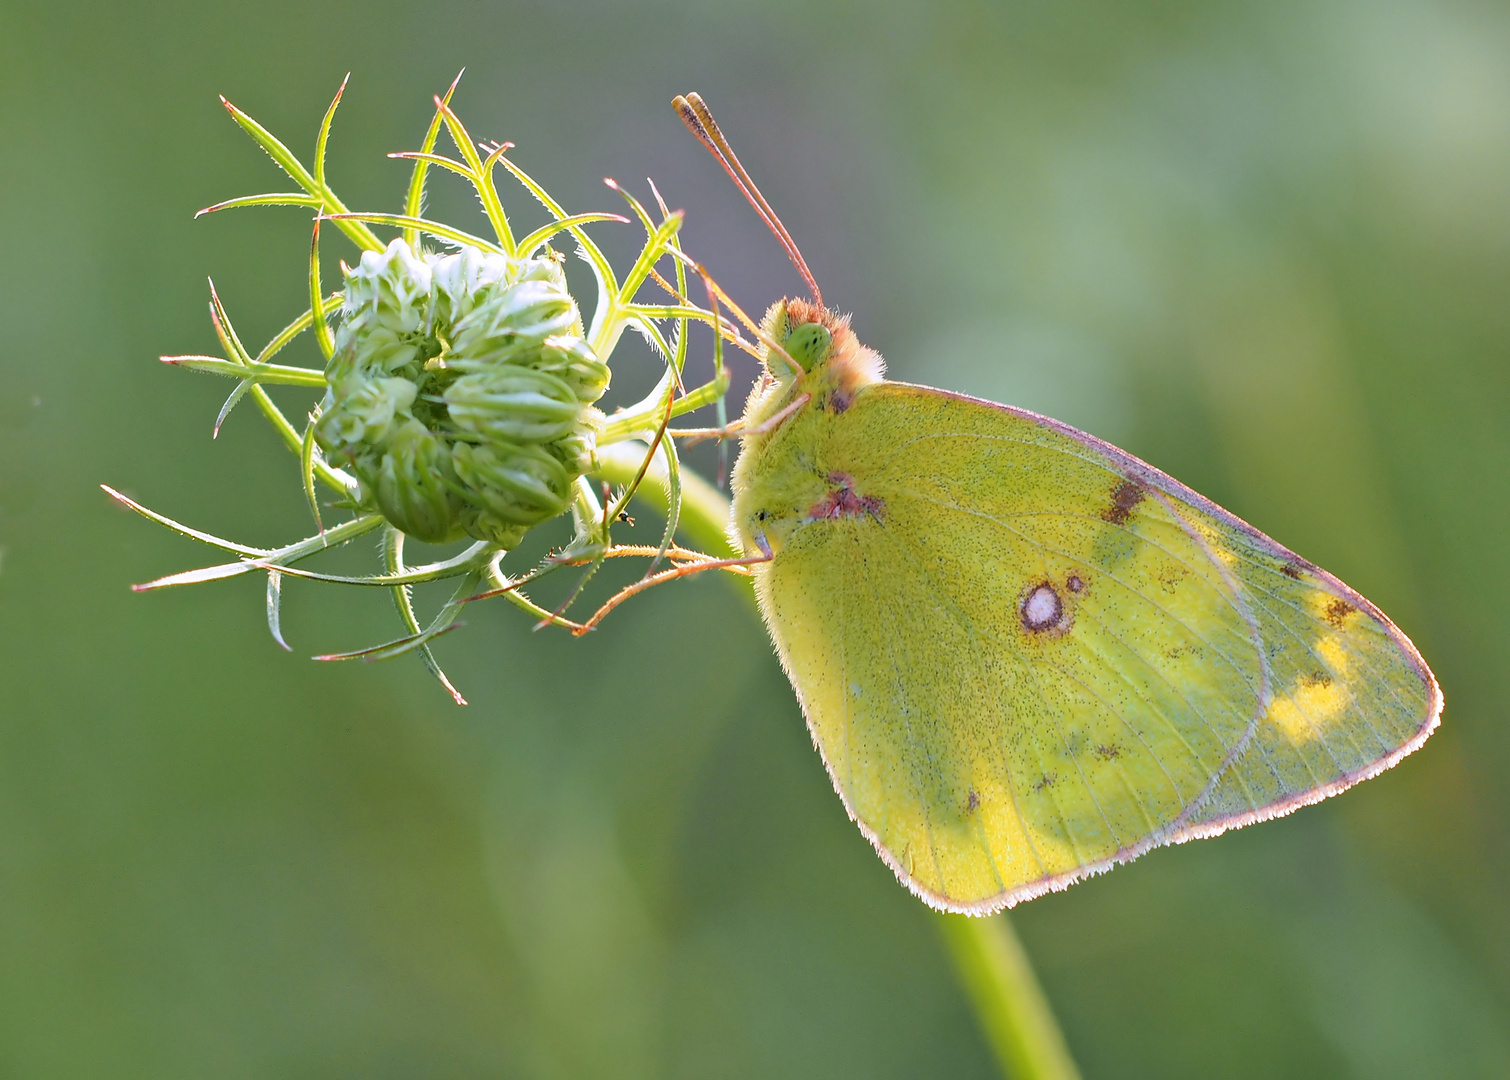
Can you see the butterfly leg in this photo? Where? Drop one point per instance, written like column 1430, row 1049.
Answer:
column 685, row 570
column 738, row 430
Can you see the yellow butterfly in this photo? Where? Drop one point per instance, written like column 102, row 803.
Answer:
column 1025, row 655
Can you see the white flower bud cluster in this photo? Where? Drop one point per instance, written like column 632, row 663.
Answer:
column 461, row 392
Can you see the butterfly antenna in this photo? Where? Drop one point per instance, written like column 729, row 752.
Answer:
column 699, row 120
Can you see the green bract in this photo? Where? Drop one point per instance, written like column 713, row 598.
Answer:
column 445, row 392
column 457, row 395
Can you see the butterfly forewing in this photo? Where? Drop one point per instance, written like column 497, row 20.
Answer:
column 1026, row 655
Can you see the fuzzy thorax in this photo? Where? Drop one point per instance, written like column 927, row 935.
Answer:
column 834, row 364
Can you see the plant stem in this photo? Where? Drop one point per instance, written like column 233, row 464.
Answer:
column 989, row 961
column 1010, row 1006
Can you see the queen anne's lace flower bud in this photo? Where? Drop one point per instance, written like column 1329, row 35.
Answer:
column 571, row 359
column 517, row 404
column 521, row 485
column 461, row 391
column 512, row 323
column 578, row 450
column 411, row 485
column 387, row 309
column 465, row 279
column 364, row 411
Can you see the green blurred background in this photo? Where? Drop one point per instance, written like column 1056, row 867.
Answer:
column 1265, row 246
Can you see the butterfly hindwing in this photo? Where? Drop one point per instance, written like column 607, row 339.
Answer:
column 1025, row 655
column 1350, row 695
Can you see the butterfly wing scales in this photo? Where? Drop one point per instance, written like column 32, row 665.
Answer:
column 1199, row 675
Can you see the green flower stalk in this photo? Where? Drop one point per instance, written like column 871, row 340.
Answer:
column 459, row 390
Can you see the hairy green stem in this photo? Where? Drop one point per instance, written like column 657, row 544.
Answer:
column 989, row 961
column 1010, row 1006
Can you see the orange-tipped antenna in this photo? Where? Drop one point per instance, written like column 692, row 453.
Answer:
column 699, row 120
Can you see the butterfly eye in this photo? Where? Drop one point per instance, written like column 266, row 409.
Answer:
column 808, row 344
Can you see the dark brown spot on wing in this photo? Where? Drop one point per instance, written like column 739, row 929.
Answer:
column 1125, row 497
column 1107, row 751
column 1290, row 570
column 1338, row 611
column 1046, row 780
column 971, row 802
column 1316, row 678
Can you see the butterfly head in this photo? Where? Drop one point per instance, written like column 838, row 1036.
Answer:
column 817, row 350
